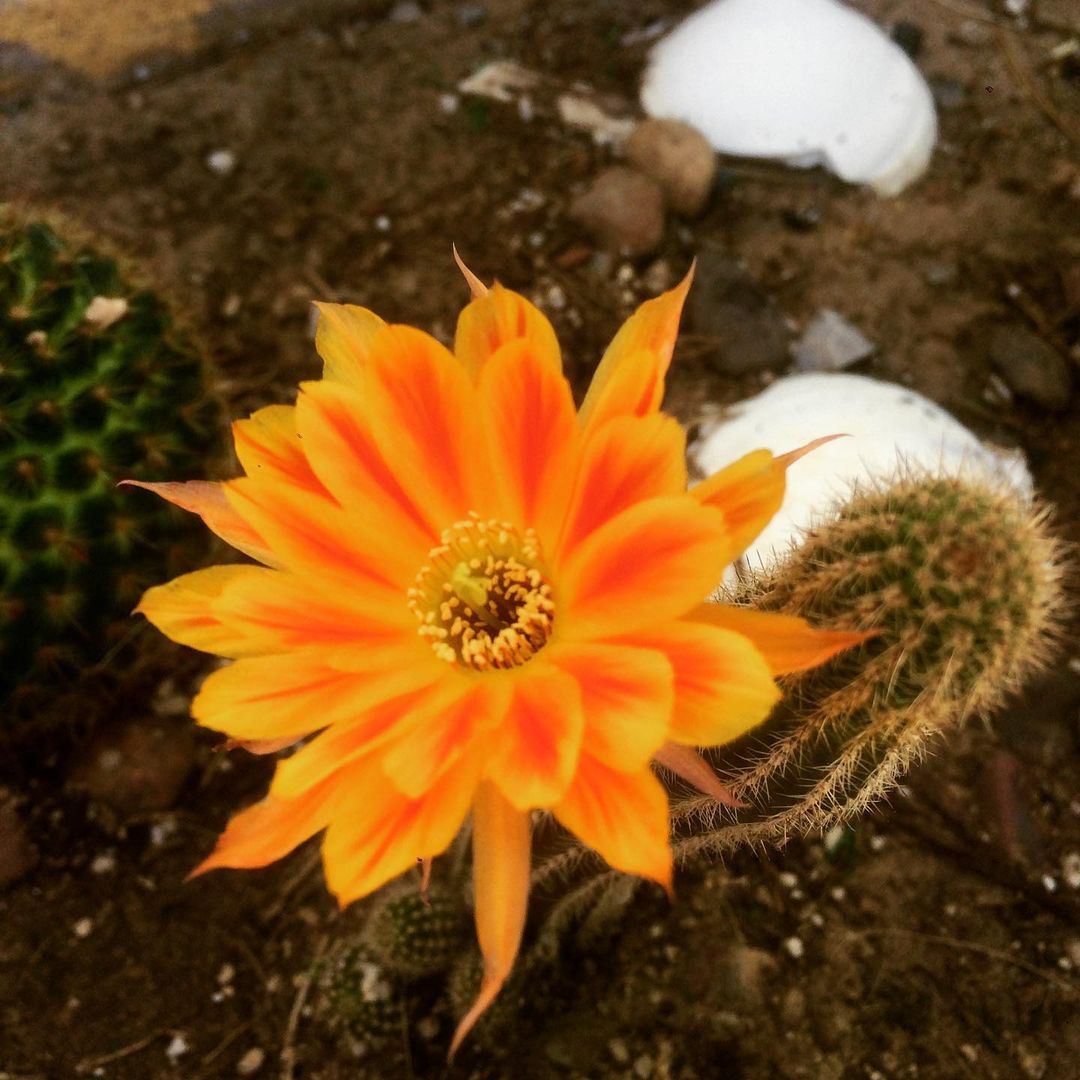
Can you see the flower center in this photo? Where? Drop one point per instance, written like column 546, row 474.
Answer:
column 482, row 600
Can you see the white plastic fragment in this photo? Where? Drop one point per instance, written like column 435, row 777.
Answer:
column 810, row 82
column 888, row 427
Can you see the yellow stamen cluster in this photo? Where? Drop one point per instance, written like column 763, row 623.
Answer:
column 482, row 600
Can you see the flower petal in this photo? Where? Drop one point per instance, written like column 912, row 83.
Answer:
column 496, row 318
column 527, row 412
column 208, row 500
column 627, row 696
column 629, row 380
column 268, row 445
column 687, row 764
column 535, row 749
column 623, row 816
column 343, row 338
column 421, row 407
column 723, row 686
column 502, row 838
column 182, row 610
column 441, row 729
column 628, row 460
column 750, row 491
column 342, row 450
column 272, row 828
column 378, row 833
column 787, row 643
column 266, row 697
column 653, row 562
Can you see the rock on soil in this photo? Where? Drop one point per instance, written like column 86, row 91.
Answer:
column 679, row 158
column 1032, row 368
column 624, row 210
column 140, row 767
column 831, row 343
column 745, row 328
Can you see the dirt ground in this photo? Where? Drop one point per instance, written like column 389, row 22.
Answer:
column 942, row 938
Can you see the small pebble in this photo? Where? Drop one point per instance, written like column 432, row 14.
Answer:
column 624, row 210
column 221, row 162
column 788, row 879
column 226, row 974
column 834, row 838
column 1070, row 869
column 679, row 158
column 427, row 1027
column 831, row 343
column 643, row 1067
column 103, row 311
column 839, row 894
column 1033, row 369
column 83, row 928
column 382, row 224
column 177, row 1048
column 407, row 11
column 794, row 947
column 1049, row 883
column 251, row 1062
column 619, row 1051
column 877, row 843
column 104, row 863
column 470, row 15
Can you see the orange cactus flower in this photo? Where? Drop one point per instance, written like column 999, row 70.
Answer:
column 470, row 598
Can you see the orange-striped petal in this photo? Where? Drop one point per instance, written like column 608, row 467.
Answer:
column 535, row 750
column 629, row 380
column 527, row 412
column 502, row 839
column 337, row 439
column 750, row 491
column 379, row 833
column 723, row 686
column 269, row 448
column 272, row 828
column 442, row 729
column 627, row 696
column 207, row 499
column 268, row 697
column 497, row 318
column 653, row 562
column 687, row 764
column 422, row 410
column 327, row 545
column 628, row 460
column 787, row 643
column 344, row 336
column 182, row 609
column 623, row 816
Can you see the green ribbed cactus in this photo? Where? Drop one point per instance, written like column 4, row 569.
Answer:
column 95, row 386
column 961, row 582
column 358, row 998
column 417, row 936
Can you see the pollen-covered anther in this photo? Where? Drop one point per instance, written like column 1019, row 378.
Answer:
column 482, row 599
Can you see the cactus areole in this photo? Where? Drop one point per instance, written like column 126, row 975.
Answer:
column 95, row 385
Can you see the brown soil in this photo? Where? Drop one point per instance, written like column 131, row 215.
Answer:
column 942, row 940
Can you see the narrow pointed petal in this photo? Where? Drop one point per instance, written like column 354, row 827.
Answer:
column 629, row 379
column 494, row 320
column 527, row 412
column 343, row 338
column 476, row 286
column 630, row 459
column 751, row 490
column 627, row 696
column 787, row 643
column 208, row 500
column 260, row 747
column 623, row 816
column 182, row 609
column 338, row 441
column 441, row 729
column 378, row 833
column 653, row 562
column 723, row 685
column 268, row 447
column 535, row 749
column 271, row 829
column 687, row 764
column 502, row 837
column 421, row 407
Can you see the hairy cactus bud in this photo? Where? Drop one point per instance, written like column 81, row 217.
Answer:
column 961, row 582
column 95, row 386
column 417, row 937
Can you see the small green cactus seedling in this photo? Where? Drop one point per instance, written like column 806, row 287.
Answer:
column 95, row 386
column 358, row 997
column 417, row 936
column 961, row 582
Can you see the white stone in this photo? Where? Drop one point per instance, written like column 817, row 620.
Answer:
column 221, row 162
column 251, row 1062
column 103, row 311
column 177, row 1048
column 811, row 82
column 888, row 428
column 794, row 947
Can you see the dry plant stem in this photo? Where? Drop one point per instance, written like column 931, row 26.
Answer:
column 1019, row 68
column 288, row 1046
